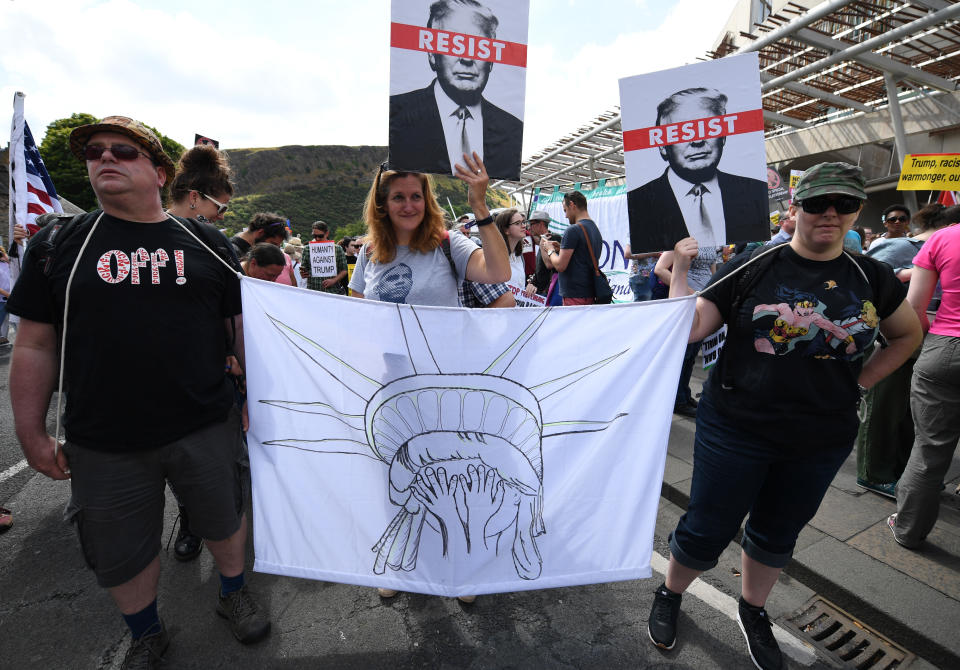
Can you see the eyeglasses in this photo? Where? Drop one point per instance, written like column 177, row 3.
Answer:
column 843, row 204
column 122, row 152
column 896, row 219
column 221, row 208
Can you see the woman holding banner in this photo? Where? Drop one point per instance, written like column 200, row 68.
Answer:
column 404, row 259
column 200, row 190
column 744, row 461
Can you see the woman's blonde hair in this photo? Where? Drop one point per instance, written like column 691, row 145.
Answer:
column 381, row 237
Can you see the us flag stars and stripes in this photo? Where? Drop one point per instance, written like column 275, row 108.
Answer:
column 41, row 194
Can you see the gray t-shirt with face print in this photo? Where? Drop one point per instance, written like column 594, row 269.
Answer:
column 414, row 278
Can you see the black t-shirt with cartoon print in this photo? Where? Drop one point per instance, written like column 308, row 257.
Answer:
column 146, row 337
column 796, row 346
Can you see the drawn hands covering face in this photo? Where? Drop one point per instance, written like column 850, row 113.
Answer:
column 463, row 503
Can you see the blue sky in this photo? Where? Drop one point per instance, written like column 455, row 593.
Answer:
column 255, row 74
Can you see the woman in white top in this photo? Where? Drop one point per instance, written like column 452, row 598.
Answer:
column 403, row 260
column 512, row 225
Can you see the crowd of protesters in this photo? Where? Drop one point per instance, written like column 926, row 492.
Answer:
column 412, row 253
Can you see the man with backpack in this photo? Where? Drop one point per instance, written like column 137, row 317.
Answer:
column 140, row 310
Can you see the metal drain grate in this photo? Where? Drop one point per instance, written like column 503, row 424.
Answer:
column 844, row 639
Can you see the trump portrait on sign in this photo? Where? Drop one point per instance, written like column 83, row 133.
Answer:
column 695, row 155
column 457, row 82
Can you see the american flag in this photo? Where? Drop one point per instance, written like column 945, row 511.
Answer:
column 41, row 195
column 31, row 190
column 948, row 198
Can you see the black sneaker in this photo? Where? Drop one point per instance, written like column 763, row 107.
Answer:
column 662, row 624
column 147, row 652
column 758, row 630
column 188, row 546
column 247, row 620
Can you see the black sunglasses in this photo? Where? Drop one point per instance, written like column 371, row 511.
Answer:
column 122, row 152
column 844, row 204
column 896, row 219
column 221, row 208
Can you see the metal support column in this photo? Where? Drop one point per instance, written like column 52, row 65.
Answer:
column 909, row 197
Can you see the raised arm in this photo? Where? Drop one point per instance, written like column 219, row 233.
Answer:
column 707, row 318
column 491, row 264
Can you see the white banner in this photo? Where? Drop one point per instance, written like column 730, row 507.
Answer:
column 323, row 259
column 523, row 300
column 384, row 457
column 608, row 206
column 712, row 344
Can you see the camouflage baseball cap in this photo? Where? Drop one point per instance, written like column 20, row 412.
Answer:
column 124, row 125
column 831, row 179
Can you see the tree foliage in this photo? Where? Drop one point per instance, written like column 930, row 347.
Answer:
column 69, row 174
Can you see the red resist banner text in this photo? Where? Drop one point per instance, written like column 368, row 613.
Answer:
column 693, row 131
column 460, row 45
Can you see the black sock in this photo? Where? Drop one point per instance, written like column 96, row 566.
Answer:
column 145, row 621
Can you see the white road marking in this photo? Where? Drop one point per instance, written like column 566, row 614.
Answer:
column 790, row 645
column 12, row 470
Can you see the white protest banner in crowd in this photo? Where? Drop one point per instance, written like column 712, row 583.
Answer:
column 386, row 457
column 608, row 206
column 523, row 300
column 323, row 259
column 694, row 154
column 712, row 344
column 458, row 77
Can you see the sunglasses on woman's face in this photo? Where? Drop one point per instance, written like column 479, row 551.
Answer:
column 122, row 152
column 843, row 204
column 221, row 208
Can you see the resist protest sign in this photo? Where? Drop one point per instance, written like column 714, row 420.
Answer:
column 694, row 154
column 323, row 259
column 457, row 84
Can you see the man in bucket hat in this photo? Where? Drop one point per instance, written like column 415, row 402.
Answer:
column 151, row 316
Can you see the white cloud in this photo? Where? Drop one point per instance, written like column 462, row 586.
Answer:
column 322, row 78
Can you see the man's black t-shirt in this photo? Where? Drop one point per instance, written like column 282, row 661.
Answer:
column 146, row 339
column 577, row 280
column 796, row 346
column 240, row 245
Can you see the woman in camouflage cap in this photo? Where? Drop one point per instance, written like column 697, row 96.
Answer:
column 749, row 456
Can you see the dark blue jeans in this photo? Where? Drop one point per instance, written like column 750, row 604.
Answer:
column 684, row 394
column 780, row 484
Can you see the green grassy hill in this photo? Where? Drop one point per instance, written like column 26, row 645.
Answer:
column 306, row 183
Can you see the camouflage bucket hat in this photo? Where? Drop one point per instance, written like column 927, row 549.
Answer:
column 124, row 125
column 831, row 179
